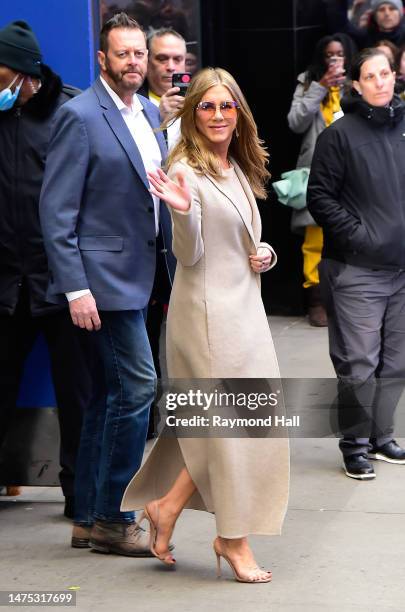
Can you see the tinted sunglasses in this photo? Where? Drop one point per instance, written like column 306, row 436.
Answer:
column 227, row 108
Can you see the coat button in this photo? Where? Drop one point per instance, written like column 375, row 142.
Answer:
column 151, row 209
column 151, row 243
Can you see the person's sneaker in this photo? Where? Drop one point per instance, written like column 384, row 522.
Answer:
column 120, row 538
column 357, row 466
column 391, row 452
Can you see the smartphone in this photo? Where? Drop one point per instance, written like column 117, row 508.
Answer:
column 338, row 68
column 182, row 80
column 336, row 61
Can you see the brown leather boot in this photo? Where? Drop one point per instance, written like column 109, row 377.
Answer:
column 120, row 538
column 317, row 316
column 80, row 536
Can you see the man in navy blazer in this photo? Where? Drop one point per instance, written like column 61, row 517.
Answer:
column 100, row 225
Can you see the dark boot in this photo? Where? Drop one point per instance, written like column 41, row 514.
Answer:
column 316, row 311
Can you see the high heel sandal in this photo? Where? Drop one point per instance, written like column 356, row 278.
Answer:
column 166, row 557
column 248, row 579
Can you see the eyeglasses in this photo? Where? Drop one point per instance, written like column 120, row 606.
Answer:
column 227, row 108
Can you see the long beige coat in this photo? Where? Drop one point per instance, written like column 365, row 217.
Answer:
column 217, row 328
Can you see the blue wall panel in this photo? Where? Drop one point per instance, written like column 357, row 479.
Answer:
column 65, row 32
column 37, row 389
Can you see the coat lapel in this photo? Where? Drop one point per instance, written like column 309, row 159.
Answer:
column 256, row 222
column 244, row 214
column 121, row 131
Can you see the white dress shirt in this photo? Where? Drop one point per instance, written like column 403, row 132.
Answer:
column 145, row 139
column 173, row 129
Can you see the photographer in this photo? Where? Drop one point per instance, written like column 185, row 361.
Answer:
column 316, row 100
column 167, row 56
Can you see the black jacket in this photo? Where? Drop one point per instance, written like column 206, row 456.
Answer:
column 24, row 137
column 356, row 189
column 338, row 21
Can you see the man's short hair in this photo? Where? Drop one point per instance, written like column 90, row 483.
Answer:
column 160, row 33
column 119, row 20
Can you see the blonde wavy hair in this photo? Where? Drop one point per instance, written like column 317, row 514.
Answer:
column 247, row 149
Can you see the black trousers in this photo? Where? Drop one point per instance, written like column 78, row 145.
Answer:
column 70, row 374
column 159, row 297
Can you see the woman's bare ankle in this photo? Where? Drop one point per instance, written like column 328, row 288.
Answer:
column 232, row 541
column 237, row 546
column 169, row 508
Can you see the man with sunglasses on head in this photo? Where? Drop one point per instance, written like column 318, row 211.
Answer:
column 30, row 95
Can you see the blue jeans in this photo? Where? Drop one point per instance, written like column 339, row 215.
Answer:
column 116, row 423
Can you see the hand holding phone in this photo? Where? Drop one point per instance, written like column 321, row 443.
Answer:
column 181, row 80
column 337, row 64
column 335, row 74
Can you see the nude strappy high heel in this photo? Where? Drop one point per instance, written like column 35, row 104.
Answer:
column 249, row 577
column 166, row 557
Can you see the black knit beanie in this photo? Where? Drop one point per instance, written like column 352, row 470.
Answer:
column 19, row 49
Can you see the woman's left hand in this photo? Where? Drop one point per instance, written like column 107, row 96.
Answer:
column 261, row 261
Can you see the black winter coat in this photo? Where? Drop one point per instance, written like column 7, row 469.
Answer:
column 356, row 189
column 24, row 137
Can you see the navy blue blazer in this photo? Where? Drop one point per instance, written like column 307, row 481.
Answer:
column 97, row 214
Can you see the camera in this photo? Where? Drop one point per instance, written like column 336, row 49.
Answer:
column 182, row 80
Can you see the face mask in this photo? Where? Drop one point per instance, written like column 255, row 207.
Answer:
column 7, row 97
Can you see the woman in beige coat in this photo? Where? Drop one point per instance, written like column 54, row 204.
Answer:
column 216, row 328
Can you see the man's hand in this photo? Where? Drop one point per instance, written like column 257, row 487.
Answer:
column 84, row 313
column 170, row 103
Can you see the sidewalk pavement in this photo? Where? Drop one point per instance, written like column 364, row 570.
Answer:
column 342, row 547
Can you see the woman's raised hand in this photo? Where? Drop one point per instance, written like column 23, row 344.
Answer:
column 178, row 196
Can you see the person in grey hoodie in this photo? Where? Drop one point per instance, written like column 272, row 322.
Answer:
column 315, row 102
